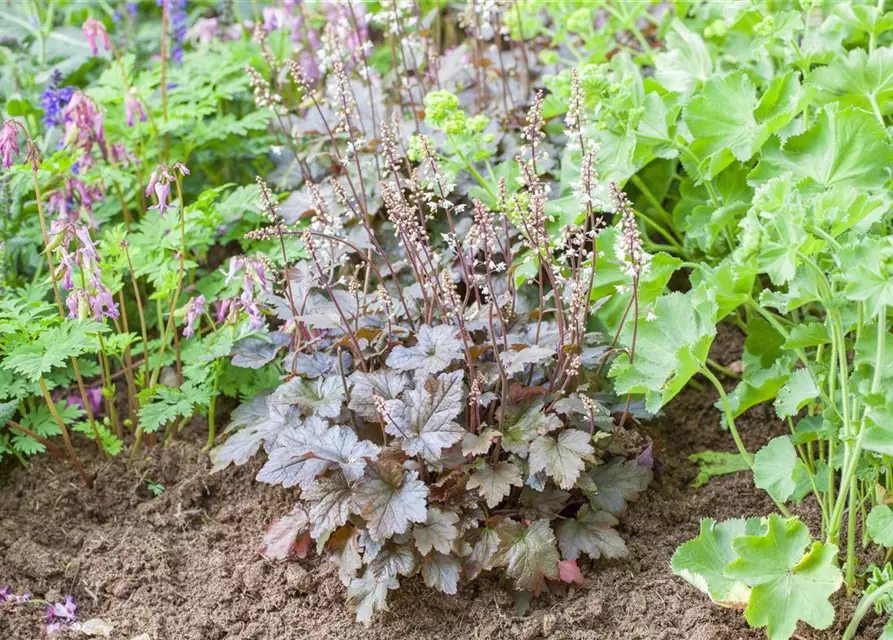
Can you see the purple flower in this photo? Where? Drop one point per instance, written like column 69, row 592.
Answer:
column 61, row 614
column 132, row 107
column 133, row 8
column 54, row 100
column 160, row 184
column 94, row 397
column 178, row 18
column 194, row 309
column 94, row 29
column 4, row 594
column 9, row 138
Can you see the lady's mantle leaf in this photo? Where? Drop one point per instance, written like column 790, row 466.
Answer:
column 563, row 458
column 283, row 536
column 843, row 147
column 775, row 466
column 369, row 595
column 670, row 348
column 424, row 418
column 437, row 347
column 728, row 122
column 793, row 396
column 859, row 79
column 302, row 453
column 495, row 482
column 592, row 533
column 441, row 571
column 701, row 562
column 686, row 61
column 389, row 500
column 880, row 525
column 530, row 554
column 616, row 483
column 322, row 397
column 384, row 383
column 438, row 531
column 790, row 583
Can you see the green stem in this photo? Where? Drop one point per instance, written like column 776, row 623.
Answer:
column 643, row 188
column 65, row 437
column 865, row 605
column 212, row 407
column 730, row 421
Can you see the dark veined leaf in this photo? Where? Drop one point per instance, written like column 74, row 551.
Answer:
column 484, row 549
column 393, row 560
column 437, row 347
column 384, row 383
column 323, row 397
column 590, row 532
column 515, row 361
column 424, row 419
column 561, row 458
column 617, row 483
column 441, row 571
column 331, row 501
column 302, row 453
column 254, row 352
column 369, row 595
column 438, row 532
column 494, row 482
column 390, row 499
column 529, row 553
column 259, row 421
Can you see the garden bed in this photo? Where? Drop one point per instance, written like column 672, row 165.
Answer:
column 183, row 565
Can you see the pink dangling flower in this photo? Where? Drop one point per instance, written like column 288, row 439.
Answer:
column 94, row 29
column 132, row 107
column 162, row 190
column 9, row 143
column 194, row 309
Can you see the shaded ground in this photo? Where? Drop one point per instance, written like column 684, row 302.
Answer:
column 182, row 566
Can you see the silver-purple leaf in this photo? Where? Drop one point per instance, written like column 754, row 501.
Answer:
column 394, row 559
column 436, row 348
column 530, row 554
column 385, row 383
column 617, row 483
column 323, row 397
column 562, row 458
column 254, row 352
column 515, row 361
column 280, row 538
column 369, row 595
column 390, row 499
column 302, row 453
column 592, row 533
column 438, row 532
column 495, row 482
column 441, row 571
column 331, row 501
column 259, row 421
column 423, row 420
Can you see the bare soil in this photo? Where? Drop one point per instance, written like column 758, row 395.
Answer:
column 184, row 566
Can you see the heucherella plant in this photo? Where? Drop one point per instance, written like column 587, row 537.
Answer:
column 447, row 422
